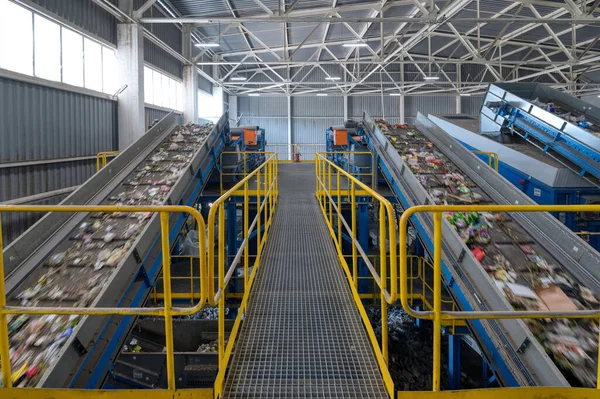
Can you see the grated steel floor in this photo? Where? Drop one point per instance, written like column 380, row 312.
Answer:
column 302, row 336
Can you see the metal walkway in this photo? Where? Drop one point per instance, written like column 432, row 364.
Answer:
column 302, row 336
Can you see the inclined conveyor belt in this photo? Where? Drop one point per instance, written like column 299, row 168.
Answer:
column 101, row 259
column 521, row 260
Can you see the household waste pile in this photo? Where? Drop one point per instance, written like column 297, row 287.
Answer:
column 528, row 276
column 75, row 273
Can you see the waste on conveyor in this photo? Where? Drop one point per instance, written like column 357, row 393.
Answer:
column 528, row 276
column 75, row 274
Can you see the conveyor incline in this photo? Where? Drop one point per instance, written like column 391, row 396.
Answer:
column 516, row 355
column 168, row 165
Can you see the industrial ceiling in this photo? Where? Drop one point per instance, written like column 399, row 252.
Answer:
column 348, row 47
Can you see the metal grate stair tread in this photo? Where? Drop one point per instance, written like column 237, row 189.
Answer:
column 302, row 336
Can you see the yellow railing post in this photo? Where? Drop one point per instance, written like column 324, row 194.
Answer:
column 339, row 208
column 246, row 237
column 598, row 368
column 329, row 191
column 192, row 280
column 221, row 285
column 166, row 261
column 383, row 276
column 354, row 251
column 258, row 213
column 4, row 348
column 437, row 298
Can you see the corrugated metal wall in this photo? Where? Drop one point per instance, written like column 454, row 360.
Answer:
column 428, row 105
column 84, row 14
column 317, row 107
column 37, row 123
column 154, row 113
column 262, row 106
column 158, row 57
column 15, row 224
column 471, row 105
column 204, row 84
column 372, row 104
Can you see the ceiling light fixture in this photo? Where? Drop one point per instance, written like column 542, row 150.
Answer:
column 210, row 44
column 465, row 94
column 333, row 78
column 238, row 78
column 431, row 77
column 395, row 94
column 254, row 94
column 321, row 94
column 355, row 44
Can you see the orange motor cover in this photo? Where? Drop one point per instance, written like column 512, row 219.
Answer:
column 249, row 137
column 340, row 137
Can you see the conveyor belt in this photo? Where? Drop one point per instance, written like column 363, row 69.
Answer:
column 302, row 336
column 511, row 346
column 101, row 259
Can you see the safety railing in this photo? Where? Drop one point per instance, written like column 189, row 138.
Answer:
column 493, row 158
column 264, row 199
column 296, row 152
column 193, row 281
column 438, row 315
column 102, row 158
column 168, row 311
column 346, row 159
column 332, row 197
column 245, row 162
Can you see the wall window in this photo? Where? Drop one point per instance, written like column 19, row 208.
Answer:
column 162, row 90
column 210, row 106
column 109, row 71
column 60, row 54
column 92, row 54
column 46, row 37
column 16, row 38
column 72, row 57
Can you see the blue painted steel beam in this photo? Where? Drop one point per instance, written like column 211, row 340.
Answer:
column 454, row 361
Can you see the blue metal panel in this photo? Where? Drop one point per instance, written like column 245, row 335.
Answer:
column 454, row 361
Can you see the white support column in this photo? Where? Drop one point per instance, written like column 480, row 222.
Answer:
column 289, row 123
column 345, row 107
column 402, row 121
column 458, row 105
column 233, row 110
column 130, row 58
column 190, row 79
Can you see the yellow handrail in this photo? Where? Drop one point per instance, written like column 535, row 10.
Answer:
column 438, row 315
column 101, row 158
column 296, row 152
column 492, row 156
column 330, row 199
column 167, row 311
column 266, row 191
column 245, row 171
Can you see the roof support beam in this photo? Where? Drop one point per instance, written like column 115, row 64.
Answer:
column 140, row 11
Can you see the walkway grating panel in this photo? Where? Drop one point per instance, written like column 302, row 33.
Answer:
column 302, row 336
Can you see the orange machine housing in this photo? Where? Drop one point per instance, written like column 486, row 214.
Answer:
column 340, row 137
column 249, row 137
